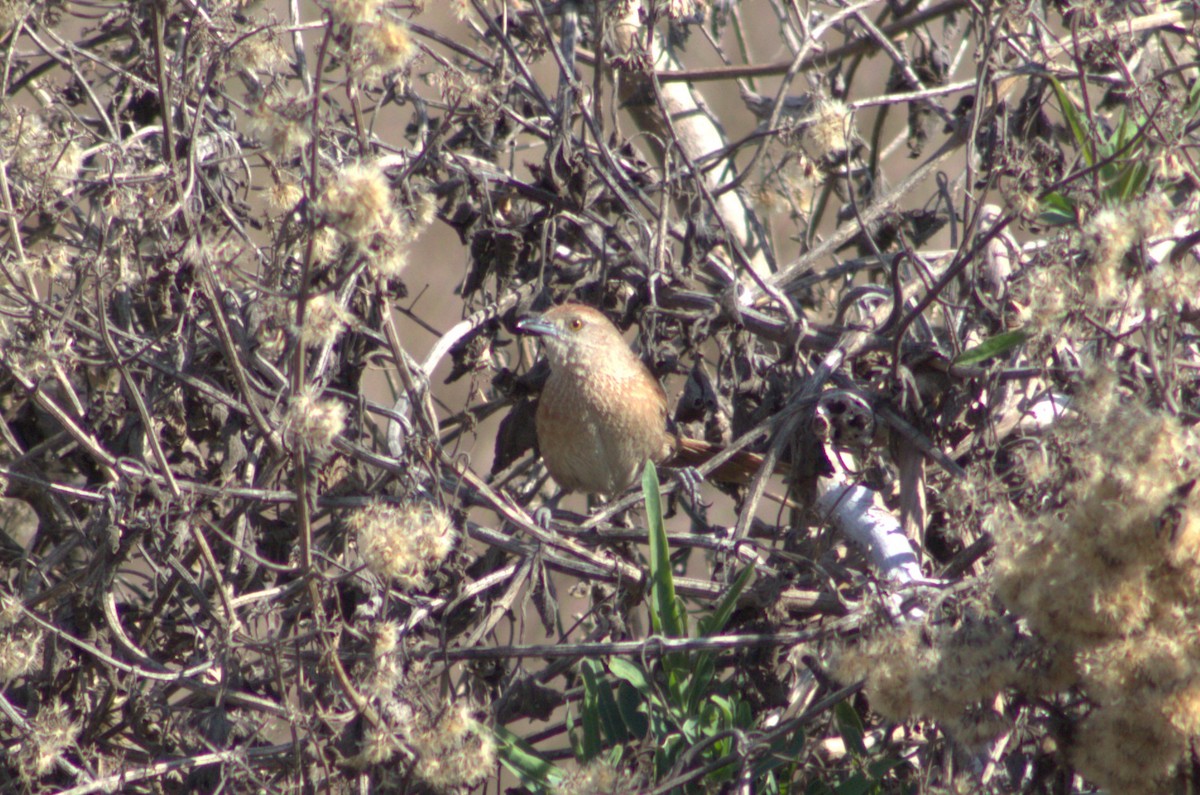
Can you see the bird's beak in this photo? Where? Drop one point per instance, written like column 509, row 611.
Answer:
column 536, row 324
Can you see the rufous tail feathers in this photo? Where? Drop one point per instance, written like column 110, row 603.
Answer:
column 738, row 470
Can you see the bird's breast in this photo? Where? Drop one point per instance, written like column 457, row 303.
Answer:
column 596, row 429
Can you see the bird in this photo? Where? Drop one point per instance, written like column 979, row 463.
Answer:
column 602, row 414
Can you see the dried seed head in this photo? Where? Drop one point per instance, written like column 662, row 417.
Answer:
column 51, row 731
column 403, row 543
column 827, row 131
column 20, row 641
column 353, row 12
column 357, row 200
column 285, row 195
column 597, row 777
column 390, row 43
column 312, row 423
column 452, row 752
column 324, row 320
column 281, row 125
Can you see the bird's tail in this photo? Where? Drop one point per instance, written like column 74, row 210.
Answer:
column 738, row 470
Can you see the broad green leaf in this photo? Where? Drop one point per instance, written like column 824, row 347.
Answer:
column 717, row 714
column 851, row 727
column 575, row 737
column 630, row 672
column 522, row 761
column 660, row 726
column 1057, row 210
column 668, row 751
column 610, row 714
column 857, row 784
column 630, row 704
column 878, row 768
column 743, row 715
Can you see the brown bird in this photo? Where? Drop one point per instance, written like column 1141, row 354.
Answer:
column 602, row 414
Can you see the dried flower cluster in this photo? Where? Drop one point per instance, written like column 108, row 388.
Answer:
column 597, row 777
column 452, row 751
column 1112, row 232
column 50, row 733
column 313, row 423
column 20, row 641
column 441, row 744
column 357, row 202
column 827, row 131
column 404, row 543
column 1107, row 576
column 1104, row 573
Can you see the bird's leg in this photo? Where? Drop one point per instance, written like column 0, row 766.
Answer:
column 545, row 512
column 689, row 492
column 542, row 516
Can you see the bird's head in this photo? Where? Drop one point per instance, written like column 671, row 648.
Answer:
column 575, row 333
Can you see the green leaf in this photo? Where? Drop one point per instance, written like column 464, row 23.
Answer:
column 630, row 704
column 666, row 612
column 1057, row 210
column 784, row 751
column 878, row 768
column 574, row 736
column 851, row 727
column 631, row 673
column 1192, row 108
column 858, row 784
column 692, row 728
column 743, row 714
column 1130, row 181
column 1130, row 137
column 668, row 751
column 610, row 714
column 992, row 346
column 665, row 615
column 717, row 714
column 700, row 681
column 660, row 725
column 523, row 762
column 589, row 714
column 1076, row 122
column 715, row 621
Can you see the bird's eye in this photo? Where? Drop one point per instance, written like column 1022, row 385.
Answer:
column 575, row 324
